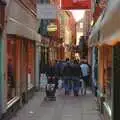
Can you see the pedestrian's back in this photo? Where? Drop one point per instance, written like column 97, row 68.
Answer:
column 67, row 71
column 76, row 70
column 84, row 69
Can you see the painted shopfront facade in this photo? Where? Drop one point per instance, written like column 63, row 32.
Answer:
column 20, row 57
column 108, row 60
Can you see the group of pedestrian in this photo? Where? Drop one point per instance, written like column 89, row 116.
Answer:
column 73, row 74
column 76, row 77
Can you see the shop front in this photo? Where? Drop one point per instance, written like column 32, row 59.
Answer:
column 105, row 79
column 109, row 61
column 31, row 64
column 19, row 53
column 12, row 66
column 2, row 18
column 26, row 67
column 20, row 69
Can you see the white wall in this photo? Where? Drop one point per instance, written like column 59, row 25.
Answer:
column 21, row 22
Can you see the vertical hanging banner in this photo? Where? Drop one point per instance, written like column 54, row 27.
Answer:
column 75, row 4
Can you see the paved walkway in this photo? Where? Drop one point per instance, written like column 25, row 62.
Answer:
column 64, row 108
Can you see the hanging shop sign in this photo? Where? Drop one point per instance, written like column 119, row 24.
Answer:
column 76, row 4
column 46, row 11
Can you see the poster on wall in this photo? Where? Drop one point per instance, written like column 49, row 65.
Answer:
column 75, row 4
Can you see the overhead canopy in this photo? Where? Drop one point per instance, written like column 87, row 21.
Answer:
column 111, row 23
column 21, row 23
column 108, row 25
column 94, row 37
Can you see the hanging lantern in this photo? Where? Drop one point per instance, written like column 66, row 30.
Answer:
column 52, row 27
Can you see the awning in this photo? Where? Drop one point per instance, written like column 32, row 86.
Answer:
column 21, row 23
column 94, row 36
column 14, row 27
column 112, row 40
column 108, row 24
column 110, row 29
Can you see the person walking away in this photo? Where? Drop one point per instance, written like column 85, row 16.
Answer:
column 67, row 76
column 89, row 75
column 77, row 74
column 52, row 79
column 58, row 69
column 85, row 74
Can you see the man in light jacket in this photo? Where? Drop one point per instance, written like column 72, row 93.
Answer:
column 85, row 74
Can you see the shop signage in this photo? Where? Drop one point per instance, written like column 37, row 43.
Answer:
column 52, row 27
column 46, row 11
column 76, row 4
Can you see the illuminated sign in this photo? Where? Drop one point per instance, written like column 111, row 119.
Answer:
column 52, row 27
column 76, row 4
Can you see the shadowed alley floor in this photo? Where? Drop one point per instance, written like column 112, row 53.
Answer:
column 64, row 108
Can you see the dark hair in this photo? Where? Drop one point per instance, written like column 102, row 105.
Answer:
column 67, row 59
column 75, row 62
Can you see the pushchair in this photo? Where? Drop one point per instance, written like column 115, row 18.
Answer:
column 51, row 89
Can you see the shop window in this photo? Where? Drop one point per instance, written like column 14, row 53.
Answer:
column 31, row 64
column 11, row 69
column 107, row 73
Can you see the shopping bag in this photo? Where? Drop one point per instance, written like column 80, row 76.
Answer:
column 60, row 84
column 50, row 87
column 81, row 83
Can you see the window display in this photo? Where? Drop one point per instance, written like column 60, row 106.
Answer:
column 11, row 69
column 107, row 73
column 31, row 50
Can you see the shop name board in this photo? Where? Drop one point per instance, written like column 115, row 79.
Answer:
column 46, row 11
column 76, row 4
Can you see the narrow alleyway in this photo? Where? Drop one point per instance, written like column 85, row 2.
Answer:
column 64, row 108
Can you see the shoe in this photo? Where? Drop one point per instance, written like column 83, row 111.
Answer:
column 75, row 93
column 66, row 93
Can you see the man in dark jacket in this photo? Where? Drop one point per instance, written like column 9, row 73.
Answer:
column 67, row 76
column 76, row 72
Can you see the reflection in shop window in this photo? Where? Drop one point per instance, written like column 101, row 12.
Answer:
column 107, row 73
column 11, row 70
column 30, row 64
